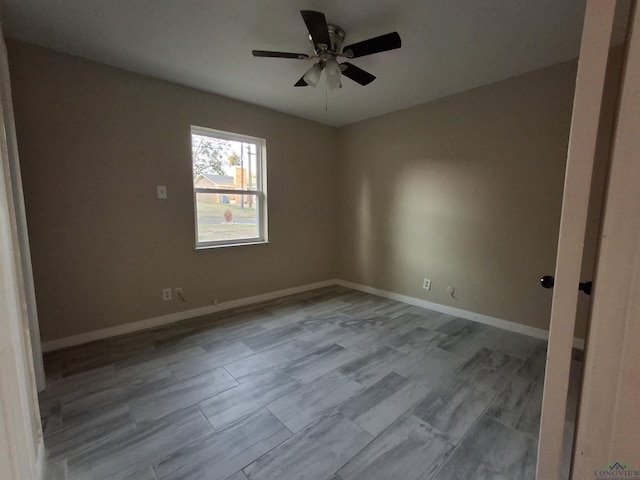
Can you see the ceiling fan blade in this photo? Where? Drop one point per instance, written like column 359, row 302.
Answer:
column 356, row 74
column 317, row 26
column 301, row 83
column 390, row 41
column 266, row 53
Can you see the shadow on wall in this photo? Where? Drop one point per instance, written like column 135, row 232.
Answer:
column 466, row 191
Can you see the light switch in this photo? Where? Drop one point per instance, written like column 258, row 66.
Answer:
column 162, row 191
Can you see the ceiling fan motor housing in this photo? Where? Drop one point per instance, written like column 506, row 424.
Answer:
column 336, row 34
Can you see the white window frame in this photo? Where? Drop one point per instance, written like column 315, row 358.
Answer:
column 260, row 192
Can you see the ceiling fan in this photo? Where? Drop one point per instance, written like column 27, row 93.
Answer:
column 327, row 42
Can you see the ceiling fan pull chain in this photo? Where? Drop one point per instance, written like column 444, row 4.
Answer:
column 326, row 97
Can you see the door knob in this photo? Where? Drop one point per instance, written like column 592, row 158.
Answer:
column 585, row 287
column 548, row 282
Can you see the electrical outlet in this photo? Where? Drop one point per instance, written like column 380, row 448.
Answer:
column 426, row 284
column 178, row 290
column 162, row 192
column 166, row 294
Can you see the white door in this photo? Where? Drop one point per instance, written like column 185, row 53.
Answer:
column 597, row 36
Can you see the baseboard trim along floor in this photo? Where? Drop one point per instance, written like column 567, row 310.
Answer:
column 458, row 312
column 104, row 333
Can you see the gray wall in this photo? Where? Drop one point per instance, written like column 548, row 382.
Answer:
column 466, row 191
column 95, row 142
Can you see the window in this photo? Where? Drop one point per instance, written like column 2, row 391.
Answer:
column 229, row 188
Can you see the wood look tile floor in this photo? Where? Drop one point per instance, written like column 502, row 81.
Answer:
column 329, row 384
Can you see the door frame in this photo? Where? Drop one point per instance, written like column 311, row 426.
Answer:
column 22, row 451
column 590, row 82
column 608, row 421
column 608, row 418
column 25, row 273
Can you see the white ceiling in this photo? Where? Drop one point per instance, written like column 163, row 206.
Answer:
column 448, row 46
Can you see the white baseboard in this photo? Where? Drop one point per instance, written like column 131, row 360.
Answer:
column 457, row 312
column 82, row 338
column 241, row 302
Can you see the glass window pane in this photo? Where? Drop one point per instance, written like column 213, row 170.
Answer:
column 224, row 217
column 221, row 163
column 229, row 183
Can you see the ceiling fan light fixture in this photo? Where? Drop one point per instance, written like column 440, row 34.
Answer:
column 333, row 82
column 332, row 68
column 333, row 74
column 313, row 75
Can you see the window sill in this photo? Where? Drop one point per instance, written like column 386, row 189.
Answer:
column 226, row 245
